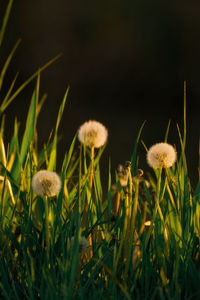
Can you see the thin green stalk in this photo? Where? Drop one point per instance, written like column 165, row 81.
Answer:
column 92, row 167
column 5, row 21
column 46, row 206
column 79, row 184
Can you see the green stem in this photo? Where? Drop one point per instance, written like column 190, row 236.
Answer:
column 92, row 167
column 79, row 184
column 47, row 223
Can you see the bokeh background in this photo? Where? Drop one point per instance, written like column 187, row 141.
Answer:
column 125, row 61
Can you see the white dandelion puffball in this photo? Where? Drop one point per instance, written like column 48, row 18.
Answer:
column 46, row 183
column 161, row 155
column 93, row 134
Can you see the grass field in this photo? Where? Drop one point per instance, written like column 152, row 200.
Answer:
column 66, row 237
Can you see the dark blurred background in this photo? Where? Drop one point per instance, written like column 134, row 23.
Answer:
column 125, row 61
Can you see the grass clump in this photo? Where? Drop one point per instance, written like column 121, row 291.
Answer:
column 141, row 241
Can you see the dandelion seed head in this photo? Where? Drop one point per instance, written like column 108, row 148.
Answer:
column 46, row 183
column 122, row 172
column 161, row 155
column 93, row 134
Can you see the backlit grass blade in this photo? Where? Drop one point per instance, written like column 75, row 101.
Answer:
column 40, row 104
column 167, row 131
column 68, row 156
column 14, row 147
column 3, row 72
column 199, row 161
column 9, row 91
column 15, row 185
column 30, row 126
column 52, row 160
column 133, row 158
column 5, row 21
column 109, row 195
column 61, row 109
column 64, row 168
column 184, row 117
column 16, row 93
column 183, row 157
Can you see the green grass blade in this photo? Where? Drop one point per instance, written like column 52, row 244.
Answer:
column 52, row 160
column 5, row 67
column 5, row 21
column 61, row 109
column 183, row 157
column 133, row 158
column 68, row 156
column 30, row 126
column 184, row 117
column 64, row 168
column 199, row 162
column 27, row 82
column 15, row 145
column 9, row 91
column 167, row 131
column 109, row 196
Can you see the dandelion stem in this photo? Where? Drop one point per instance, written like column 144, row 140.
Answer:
column 92, row 167
column 47, row 224
column 79, row 183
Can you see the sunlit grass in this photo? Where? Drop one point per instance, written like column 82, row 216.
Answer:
column 139, row 241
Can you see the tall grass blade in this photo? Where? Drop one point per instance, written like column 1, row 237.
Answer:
column 7, row 103
column 3, row 72
column 52, row 160
column 30, row 126
column 5, row 21
column 133, row 158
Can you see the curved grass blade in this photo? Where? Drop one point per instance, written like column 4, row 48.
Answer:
column 167, row 131
column 5, row 21
column 133, row 158
column 5, row 67
column 52, row 160
column 30, row 125
column 26, row 83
